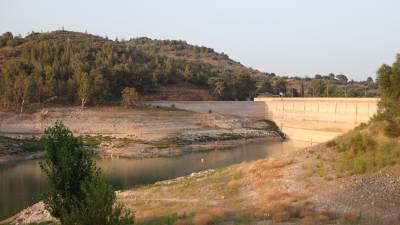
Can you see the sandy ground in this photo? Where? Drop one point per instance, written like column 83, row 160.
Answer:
column 150, row 124
column 144, row 132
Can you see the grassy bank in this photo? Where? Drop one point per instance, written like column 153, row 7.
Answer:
column 248, row 193
column 365, row 150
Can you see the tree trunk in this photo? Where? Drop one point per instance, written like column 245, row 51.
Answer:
column 83, row 103
column 22, row 106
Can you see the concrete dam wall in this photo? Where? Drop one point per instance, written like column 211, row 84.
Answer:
column 318, row 119
column 314, row 120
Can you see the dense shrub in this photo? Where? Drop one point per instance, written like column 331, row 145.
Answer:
column 392, row 129
column 331, row 143
column 389, row 87
column 362, row 154
column 78, row 194
column 129, row 97
column 98, row 206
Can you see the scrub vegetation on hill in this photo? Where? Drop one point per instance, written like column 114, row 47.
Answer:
column 69, row 67
column 373, row 146
column 64, row 67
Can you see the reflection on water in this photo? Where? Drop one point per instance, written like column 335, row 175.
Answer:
column 22, row 182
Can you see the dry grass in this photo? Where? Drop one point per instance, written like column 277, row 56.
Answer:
column 183, row 222
column 268, row 164
column 245, row 194
column 211, row 216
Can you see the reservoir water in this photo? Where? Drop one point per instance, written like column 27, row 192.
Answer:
column 22, row 182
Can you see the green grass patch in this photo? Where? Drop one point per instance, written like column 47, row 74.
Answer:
column 168, row 143
column 96, row 140
column 362, row 154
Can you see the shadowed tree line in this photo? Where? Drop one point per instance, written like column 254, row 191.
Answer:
column 319, row 86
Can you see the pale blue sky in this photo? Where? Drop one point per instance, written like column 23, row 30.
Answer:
column 288, row 37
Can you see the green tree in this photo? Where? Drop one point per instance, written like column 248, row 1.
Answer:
column 302, row 88
column 188, row 73
column 219, row 87
column 389, row 85
column 129, row 97
column 342, row 78
column 71, row 90
column 266, row 87
column 6, row 39
column 22, row 90
column 318, row 88
column 293, row 92
column 331, row 76
column 280, row 86
column 84, row 88
column 169, row 69
column 78, row 194
column 244, row 86
column 67, row 164
column 98, row 206
column 389, row 88
column 100, row 86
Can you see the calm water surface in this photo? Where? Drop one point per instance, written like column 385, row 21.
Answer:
column 22, row 182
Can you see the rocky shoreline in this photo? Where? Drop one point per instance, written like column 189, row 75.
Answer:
column 153, row 152
column 134, row 133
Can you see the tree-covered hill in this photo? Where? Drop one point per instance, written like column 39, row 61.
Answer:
column 65, row 67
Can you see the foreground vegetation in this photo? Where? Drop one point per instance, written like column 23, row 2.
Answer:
column 78, row 192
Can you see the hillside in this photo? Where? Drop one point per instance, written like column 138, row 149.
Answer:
column 70, row 67
column 64, row 67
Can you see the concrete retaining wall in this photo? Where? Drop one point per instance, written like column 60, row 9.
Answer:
column 239, row 108
column 318, row 119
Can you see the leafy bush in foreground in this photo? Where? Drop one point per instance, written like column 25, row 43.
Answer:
column 78, row 194
column 98, row 206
